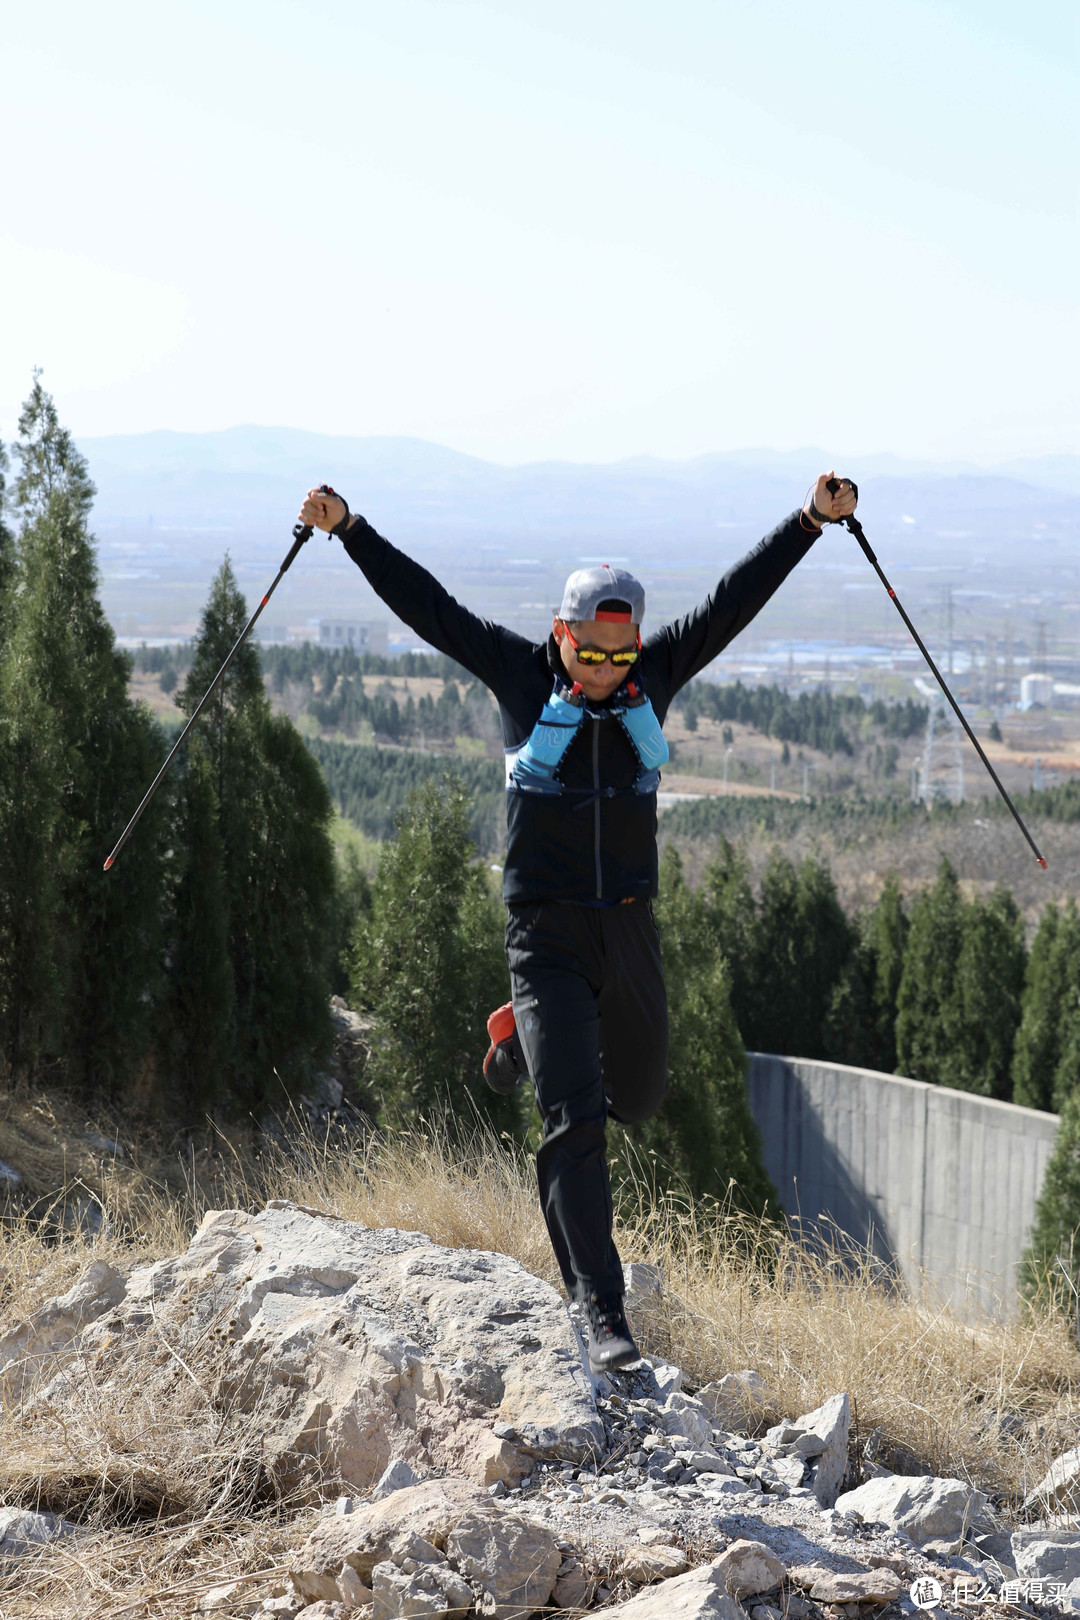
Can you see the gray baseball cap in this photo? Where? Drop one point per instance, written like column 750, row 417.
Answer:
column 588, row 587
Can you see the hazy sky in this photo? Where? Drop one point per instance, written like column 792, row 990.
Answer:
column 575, row 228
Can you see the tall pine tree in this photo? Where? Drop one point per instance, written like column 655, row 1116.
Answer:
column 428, row 965
column 265, row 873
column 862, row 1015
column 1050, row 1006
column 802, row 944
column 926, row 1033
column 84, row 991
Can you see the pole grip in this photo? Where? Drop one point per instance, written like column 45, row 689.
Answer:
column 302, row 533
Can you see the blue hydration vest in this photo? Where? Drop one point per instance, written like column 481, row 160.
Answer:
column 534, row 766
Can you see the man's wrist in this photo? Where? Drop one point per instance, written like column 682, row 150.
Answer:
column 343, row 523
column 808, row 521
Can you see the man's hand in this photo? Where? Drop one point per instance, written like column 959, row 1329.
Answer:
column 324, row 511
column 829, row 508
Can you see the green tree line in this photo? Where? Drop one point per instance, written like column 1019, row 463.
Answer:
column 195, row 971
column 820, row 719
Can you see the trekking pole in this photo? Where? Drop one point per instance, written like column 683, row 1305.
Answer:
column 302, row 532
column 856, row 528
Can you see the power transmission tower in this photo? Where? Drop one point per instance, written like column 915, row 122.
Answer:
column 1042, row 657
column 942, row 766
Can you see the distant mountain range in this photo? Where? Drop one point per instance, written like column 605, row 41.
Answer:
column 246, row 478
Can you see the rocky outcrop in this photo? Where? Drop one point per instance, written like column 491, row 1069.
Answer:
column 923, row 1507
column 484, row 1474
column 362, row 1346
column 1059, row 1489
column 26, row 1349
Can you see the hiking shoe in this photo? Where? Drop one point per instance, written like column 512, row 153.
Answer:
column 501, row 1070
column 611, row 1344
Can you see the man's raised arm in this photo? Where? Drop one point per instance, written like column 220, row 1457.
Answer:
column 681, row 649
column 418, row 599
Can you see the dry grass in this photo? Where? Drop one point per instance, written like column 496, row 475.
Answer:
column 166, row 1476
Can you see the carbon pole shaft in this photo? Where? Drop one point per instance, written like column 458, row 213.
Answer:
column 301, row 533
column 856, row 528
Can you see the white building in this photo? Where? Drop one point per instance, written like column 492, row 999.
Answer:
column 362, row 635
column 1036, row 689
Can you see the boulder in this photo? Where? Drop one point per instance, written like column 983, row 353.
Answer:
column 863, row 1586
column 736, row 1401
column 828, row 1427
column 513, row 1559
column 358, row 1347
column 642, row 1565
column 921, row 1506
column 750, row 1567
column 25, row 1349
column 433, row 1592
column 700, row 1594
column 1052, row 1555
column 1059, row 1490
column 365, row 1537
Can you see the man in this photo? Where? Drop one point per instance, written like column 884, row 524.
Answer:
column 581, row 718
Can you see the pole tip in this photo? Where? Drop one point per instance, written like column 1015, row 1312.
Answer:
column 109, row 862
column 1042, row 862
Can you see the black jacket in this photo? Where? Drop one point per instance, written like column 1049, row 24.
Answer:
column 580, row 846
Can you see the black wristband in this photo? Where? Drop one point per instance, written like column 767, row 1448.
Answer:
column 340, row 527
column 818, row 517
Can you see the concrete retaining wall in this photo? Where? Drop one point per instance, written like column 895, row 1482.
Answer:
column 941, row 1183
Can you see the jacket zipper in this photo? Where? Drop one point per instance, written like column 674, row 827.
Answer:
column 596, row 807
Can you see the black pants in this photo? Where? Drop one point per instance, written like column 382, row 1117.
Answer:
column 591, row 1013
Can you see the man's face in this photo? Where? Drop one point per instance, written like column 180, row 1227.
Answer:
column 597, row 681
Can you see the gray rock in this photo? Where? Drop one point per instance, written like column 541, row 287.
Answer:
column 669, row 1379
column 107, row 1146
column 719, row 1485
column 433, row 1592
column 1052, row 1554
column 26, row 1349
column 643, row 1285
column 923, row 1507
column 368, row 1535
column 411, row 1552
column 700, row 1594
column 683, row 1415
column 828, row 1425
column 398, row 1476
column 513, row 1559
column 643, row 1565
column 352, row 1589
column 1059, row 1490
column 737, row 1400
column 706, row 1462
column 21, row 1531
column 789, row 1470
column 371, row 1345
column 869, row 1586
column 573, row 1588
column 750, row 1567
